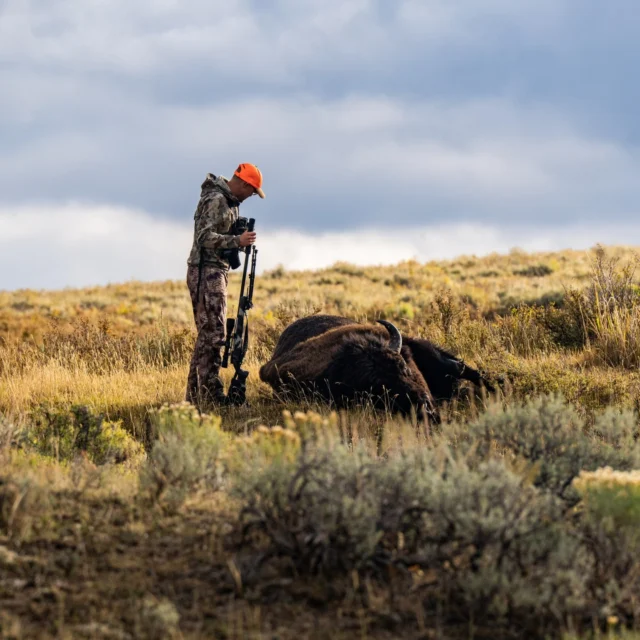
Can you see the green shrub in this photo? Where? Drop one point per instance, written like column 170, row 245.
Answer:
column 611, row 496
column 113, row 443
column 565, row 327
column 616, row 428
column 534, row 271
column 54, row 432
column 157, row 618
column 495, row 544
column 551, row 437
column 22, row 505
column 348, row 269
column 63, row 433
column 612, row 634
column 187, row 456
column 484, row 524
column 275, row 274
column 448, row 311
column 320, row 511
column 9, row 432
column 608, row 531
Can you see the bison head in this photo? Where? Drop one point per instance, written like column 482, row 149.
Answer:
column 376, row 367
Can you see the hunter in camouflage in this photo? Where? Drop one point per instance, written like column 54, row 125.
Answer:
column 215, row 215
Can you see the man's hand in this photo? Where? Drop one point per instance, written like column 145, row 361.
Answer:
column 247, row 238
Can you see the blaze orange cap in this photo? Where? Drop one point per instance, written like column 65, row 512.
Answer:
column 251, row 175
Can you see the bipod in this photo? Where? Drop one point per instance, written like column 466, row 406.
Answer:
column 237, row 395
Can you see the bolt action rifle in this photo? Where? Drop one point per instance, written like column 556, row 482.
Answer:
column 237, row 341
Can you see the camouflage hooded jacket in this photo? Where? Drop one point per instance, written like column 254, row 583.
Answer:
column 215, row 214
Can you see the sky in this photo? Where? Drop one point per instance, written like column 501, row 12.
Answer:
column 385, row 130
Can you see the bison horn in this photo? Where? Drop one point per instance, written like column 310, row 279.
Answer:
column 395, row 343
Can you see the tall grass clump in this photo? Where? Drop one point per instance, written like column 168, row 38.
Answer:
column 608, row 311
column 524, row 331
column 93, row 346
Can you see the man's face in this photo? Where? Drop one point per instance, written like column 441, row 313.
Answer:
column 245, row 190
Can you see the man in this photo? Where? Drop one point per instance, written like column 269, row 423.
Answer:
column 207, row 271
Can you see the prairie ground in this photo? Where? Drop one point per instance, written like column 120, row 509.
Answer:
column 125, row 514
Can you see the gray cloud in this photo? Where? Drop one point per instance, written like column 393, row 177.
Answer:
column 359, row 112
column 331, row 164
column 84, row 245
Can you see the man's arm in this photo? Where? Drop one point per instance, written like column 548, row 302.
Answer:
column 214, row 219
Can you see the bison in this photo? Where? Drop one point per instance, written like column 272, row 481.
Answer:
column 344, row 361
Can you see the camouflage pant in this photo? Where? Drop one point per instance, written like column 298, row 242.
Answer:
column 209, row 303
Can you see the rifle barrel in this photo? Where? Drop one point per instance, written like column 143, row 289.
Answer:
column 244, row 273
column 252, row 275
column 247, row 251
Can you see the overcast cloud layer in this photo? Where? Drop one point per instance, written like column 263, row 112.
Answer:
column 78, row 245
column 511, row 122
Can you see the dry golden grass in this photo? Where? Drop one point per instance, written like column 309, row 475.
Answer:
column 487, row 285
column 124, row 348
column 565, row 322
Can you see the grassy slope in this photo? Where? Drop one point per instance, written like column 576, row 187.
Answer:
column 124, row 348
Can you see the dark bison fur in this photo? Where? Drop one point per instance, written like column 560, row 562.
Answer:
column 346, row 363
column 344, row 360
column 442, row 371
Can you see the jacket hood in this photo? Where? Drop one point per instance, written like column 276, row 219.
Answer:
column 213, row 183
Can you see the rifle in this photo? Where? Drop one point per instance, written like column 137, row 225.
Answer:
column 237, row 341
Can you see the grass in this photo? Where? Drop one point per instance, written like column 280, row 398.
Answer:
column 99, row 539
column 124, row 348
